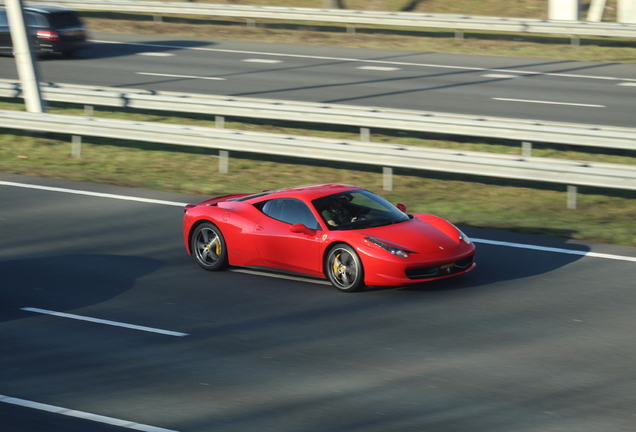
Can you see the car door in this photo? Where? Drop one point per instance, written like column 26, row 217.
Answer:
column 288, row 237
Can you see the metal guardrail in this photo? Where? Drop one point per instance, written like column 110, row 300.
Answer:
column 385, row 155
column 529, row 131
column 400, row 19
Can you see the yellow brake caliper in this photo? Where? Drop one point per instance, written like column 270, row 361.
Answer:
column 337, row 266
column 217, row 249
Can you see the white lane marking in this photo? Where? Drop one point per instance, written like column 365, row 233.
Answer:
column 280, row 276
column 379, row 68
column 156, row 54
column 501, row 76
column 256, row 60
column 83, row 415
column 557, row 250
column 549, row 102
column 177, row 204
column 180, row 76
column 93, row 194
column 107, row 322
column 627, row 84
column 345, row 59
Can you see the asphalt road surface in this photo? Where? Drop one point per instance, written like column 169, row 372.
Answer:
column 106, row 324
column 550, row 90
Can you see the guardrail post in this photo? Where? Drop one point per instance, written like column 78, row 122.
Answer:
column 387, row 178
column 157, row 18
column 365, row 134
column 76, row 146
column 526, row 149
column 224, row 157
column 595, row 12
column 351, row 29
column 568, row 10
column 572, row 197
column 575, row 40
column 220, row 121
column 251, row 23
column 626, row 12
column 24, row 57
column 88, row 110
column 459, row 34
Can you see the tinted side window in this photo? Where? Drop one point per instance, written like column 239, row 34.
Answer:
column 64, row 20
column 291, row 211
column 40, row 21
column 3, row 18
column 30, row 19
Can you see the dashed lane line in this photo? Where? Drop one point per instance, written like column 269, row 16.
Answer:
column 82, row 415
column 258, row 60
column 156, row 54
column 106, row 322
column 180, row 76
column 379, row 68
column 549, row 102
column 502, row 76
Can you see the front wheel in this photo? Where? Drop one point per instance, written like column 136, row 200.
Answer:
column 208, row 247
column 344, row 269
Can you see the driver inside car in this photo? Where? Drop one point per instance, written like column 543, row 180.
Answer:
column 335, row 214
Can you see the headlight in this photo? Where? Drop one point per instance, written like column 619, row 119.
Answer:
column 395, row 251
column 463, row 237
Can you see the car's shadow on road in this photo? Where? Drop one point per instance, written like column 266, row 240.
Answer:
column 67, row 282
column 503, row 256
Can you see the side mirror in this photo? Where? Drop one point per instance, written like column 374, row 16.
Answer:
column 401, row 207
column 300, row 228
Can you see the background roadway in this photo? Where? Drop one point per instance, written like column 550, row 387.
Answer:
column 580, row 92
column 530, row 340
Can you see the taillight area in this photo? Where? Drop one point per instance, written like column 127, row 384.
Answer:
column 188, row 207
column 48, row 35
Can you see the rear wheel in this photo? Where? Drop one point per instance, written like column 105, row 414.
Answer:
column 344, row 269
column 208, row 247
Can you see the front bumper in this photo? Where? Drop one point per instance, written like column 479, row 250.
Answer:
column 394, row 271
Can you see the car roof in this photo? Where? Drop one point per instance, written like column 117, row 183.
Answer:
column 46, row 9
column 310, row 192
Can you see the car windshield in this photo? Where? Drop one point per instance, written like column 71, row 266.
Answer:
column 357, row 210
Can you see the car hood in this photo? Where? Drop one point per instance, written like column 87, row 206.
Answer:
column 416, row 235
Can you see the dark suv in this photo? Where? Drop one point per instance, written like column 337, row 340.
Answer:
column 53, row 29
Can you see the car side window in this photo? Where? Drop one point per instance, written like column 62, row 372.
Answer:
column 291, row 211
column 3, row 18
column 40, row 21
column 64, row 20
column 30, row 20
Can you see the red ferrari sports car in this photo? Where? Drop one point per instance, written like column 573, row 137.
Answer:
column 343, row 233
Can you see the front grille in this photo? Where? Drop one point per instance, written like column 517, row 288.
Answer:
column 440, row 270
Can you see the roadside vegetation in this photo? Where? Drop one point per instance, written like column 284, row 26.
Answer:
column 536, row 208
